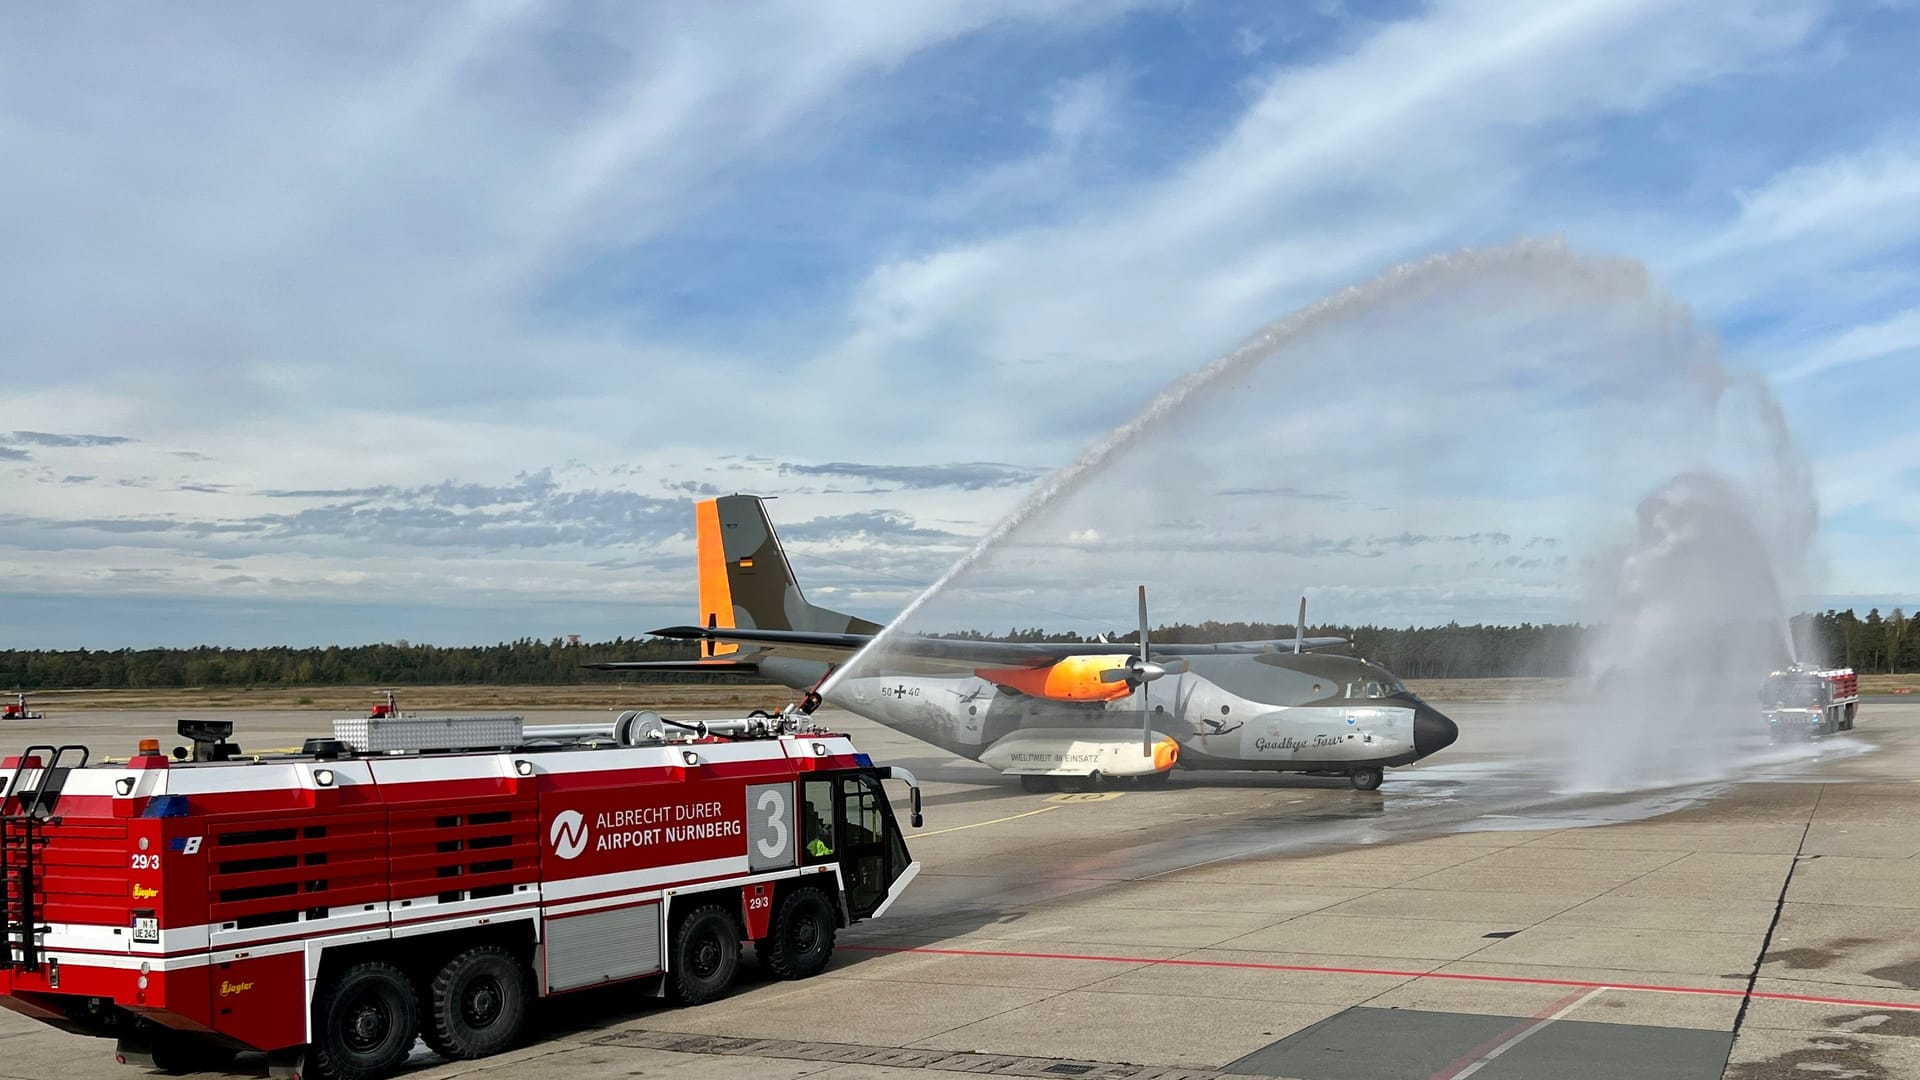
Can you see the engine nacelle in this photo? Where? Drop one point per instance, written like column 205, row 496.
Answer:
column 1074, row 678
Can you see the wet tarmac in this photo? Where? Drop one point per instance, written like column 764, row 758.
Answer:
column 1472, row 917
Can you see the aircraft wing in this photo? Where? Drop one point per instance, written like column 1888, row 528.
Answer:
column 961, row 654
column 1266, row 645
column 720, row 664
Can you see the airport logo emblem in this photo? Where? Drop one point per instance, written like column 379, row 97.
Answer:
column 568, row 834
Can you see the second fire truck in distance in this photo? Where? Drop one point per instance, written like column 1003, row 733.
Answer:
column 1805, row 701
column 426, row 877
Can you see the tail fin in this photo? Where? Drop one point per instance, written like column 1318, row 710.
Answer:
column 745, row 579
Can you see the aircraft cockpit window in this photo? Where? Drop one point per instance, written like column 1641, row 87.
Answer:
column 1367, row 689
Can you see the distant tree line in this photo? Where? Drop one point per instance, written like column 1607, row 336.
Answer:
column 527, row 661
column 1453, row 651
column 1888, row 645
column 1874, row 644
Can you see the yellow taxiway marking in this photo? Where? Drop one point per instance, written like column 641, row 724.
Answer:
column 978, row 824
column 1085, row 796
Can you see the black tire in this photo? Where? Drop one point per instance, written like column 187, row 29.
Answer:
column 706, row 955
column 476, row 1004
column 799, row 941
column 364, row 1022
column 1367, row 779
column 1037, row 785
column 1156, row 780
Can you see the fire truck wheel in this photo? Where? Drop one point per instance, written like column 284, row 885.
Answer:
column 477, row 1004
column 706, row 955
column 799, row 941
column 366, row 1022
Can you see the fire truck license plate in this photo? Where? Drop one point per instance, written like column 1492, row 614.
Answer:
column 146, row 928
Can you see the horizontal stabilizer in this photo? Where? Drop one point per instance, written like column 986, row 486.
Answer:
column 718, row 664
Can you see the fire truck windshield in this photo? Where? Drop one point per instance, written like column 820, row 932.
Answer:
column 1796, row 693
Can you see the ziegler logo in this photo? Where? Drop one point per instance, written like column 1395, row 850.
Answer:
column 141, row 892
column 228, row 989
column 568, row 834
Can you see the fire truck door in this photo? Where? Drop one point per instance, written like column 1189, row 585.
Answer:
column 863, row 844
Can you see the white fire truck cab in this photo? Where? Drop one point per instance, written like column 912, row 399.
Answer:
column 425, row 877
column 1804, row 701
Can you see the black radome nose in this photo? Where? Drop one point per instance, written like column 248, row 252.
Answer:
column 1432, row 731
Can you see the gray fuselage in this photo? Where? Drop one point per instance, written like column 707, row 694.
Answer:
column 1283, row 711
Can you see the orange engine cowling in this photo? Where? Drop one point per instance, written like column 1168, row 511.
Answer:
column 1076, row 678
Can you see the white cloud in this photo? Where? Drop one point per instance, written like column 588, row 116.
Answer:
column 1080, row 113
column 1872, row 341
column 1848, row 196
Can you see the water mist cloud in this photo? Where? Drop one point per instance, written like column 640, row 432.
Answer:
column 1457, row 402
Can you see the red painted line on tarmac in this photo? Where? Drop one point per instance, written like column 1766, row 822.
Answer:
column 1452, row 976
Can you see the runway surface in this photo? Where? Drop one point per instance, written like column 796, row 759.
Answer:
column 1468, row 919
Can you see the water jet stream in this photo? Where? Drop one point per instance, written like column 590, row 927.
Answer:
column 1522, row 379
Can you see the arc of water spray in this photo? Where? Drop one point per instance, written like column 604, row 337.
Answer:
column 1530, row 255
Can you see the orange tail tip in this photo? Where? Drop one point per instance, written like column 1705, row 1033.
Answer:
column 716, row 596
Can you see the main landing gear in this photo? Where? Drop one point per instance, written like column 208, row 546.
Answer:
column 1367, row 778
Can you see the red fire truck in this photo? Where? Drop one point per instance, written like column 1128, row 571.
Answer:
column 17, row 710
column 1804, row 701
column 426, row 877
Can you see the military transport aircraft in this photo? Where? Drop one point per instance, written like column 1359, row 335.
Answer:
column 1077, row 713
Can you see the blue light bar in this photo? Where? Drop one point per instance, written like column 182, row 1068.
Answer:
column 863, row 761
column 166, row 806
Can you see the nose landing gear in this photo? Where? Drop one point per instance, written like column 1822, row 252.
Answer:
column 1368, row 778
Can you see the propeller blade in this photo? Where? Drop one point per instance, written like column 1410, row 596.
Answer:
column 1143, row 622
column 1146, row 715
column 1300, row 628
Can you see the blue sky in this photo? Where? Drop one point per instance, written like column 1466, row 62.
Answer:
column 430, row 322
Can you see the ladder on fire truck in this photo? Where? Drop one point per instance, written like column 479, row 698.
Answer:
column 24, row 813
